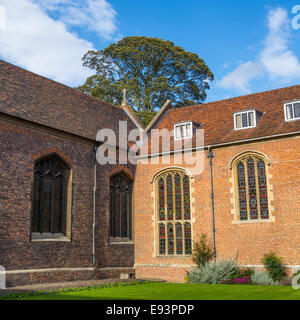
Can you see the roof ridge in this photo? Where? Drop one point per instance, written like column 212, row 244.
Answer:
column 237, row 97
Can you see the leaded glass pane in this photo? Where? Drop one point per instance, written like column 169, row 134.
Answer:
column 252, row 190
column 170, row 238
column 186, row 196
column 238, row 121
column 178, row 206
column 179, row 244
column 251, row 119
column 162, row 239
column 245, row 120
column 289, row 111
column 188, row 238
column 161, row 195
column 242, row 191
column 263, row 192
column 297, row 110
column 170, row 197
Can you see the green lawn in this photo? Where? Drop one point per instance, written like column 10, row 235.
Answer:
column 169, row 291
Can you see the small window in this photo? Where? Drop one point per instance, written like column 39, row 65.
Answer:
column 183, row 131
column 245, row 120
column 292, row 111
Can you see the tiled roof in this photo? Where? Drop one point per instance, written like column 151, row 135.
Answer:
column 216, row 118
column 31, row 97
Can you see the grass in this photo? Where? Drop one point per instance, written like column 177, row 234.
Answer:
column 170, row 291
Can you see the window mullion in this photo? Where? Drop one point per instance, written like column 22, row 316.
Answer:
column 166, row 216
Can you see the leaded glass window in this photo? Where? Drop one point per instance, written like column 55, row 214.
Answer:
column 120, row 207
column 173, row 206
column 49, row 196
column 252, row 188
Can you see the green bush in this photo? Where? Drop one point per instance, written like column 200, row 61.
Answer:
column 274, row 266
column 212, row 273
column 262, row 278
column 202, row 252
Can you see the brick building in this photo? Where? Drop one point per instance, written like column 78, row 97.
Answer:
column 52, row 191
column 254, row 144
column 63, row 216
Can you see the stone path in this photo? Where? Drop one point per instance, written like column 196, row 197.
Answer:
column 60, row 285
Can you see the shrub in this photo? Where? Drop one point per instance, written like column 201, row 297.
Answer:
column 274, row 266
column 262, row 278
column 212, row 273
column 202, row 252
column 242, row 273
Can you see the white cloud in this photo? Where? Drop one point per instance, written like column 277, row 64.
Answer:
column 276, row 61
column 95, row 15
column 35, row 41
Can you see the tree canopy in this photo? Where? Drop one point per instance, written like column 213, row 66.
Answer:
column 152, row 70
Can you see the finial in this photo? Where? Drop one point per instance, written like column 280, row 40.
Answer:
column 124, row 97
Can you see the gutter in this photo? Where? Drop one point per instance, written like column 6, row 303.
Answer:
column 94, row 211
column 281, row 135
column 210, row 156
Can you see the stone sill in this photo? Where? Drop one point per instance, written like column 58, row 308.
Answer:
column 43, row 237
column 120, row 241
column 254, row 221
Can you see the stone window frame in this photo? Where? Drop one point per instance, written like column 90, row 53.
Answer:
column 57, row 237
column 155, row 219
column 235, row 188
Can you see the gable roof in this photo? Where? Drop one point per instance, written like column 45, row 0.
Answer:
column 32, row 97
column 217, row 118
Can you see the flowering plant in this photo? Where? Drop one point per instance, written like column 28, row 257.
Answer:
column 244, row 281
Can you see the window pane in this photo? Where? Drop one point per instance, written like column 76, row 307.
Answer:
column 186, row 197
column 179, row 247
column 161, row 194
column 188, row 130
column 251, row 119
column 289, row 111
column 178, row 197
column 252, row 190
column 238, row 121
column 263, row 194
column 245, row 120
column 170, row 197
column 242, row 191
column 178, row 132
column 162, row 239
column 170, row 239
column 297, row 110
column 188, row 238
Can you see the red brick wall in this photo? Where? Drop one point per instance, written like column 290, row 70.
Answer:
column 246, row 242
column 19, row 148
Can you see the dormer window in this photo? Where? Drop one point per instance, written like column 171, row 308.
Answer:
column 292, row 111
column 245, row 120
column 183, row 130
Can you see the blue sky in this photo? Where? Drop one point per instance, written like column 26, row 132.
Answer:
column 250, row 46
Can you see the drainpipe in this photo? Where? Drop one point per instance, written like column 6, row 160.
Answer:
column 210, row 156
column 94, row 209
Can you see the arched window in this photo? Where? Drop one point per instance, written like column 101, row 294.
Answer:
column 120, row 207
column 174, row 213
column 251, row 182
column 51, row 176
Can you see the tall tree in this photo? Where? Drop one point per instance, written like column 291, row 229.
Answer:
column 152, row 70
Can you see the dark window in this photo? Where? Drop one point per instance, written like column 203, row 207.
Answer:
column 120, row 207
column 49, row 196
